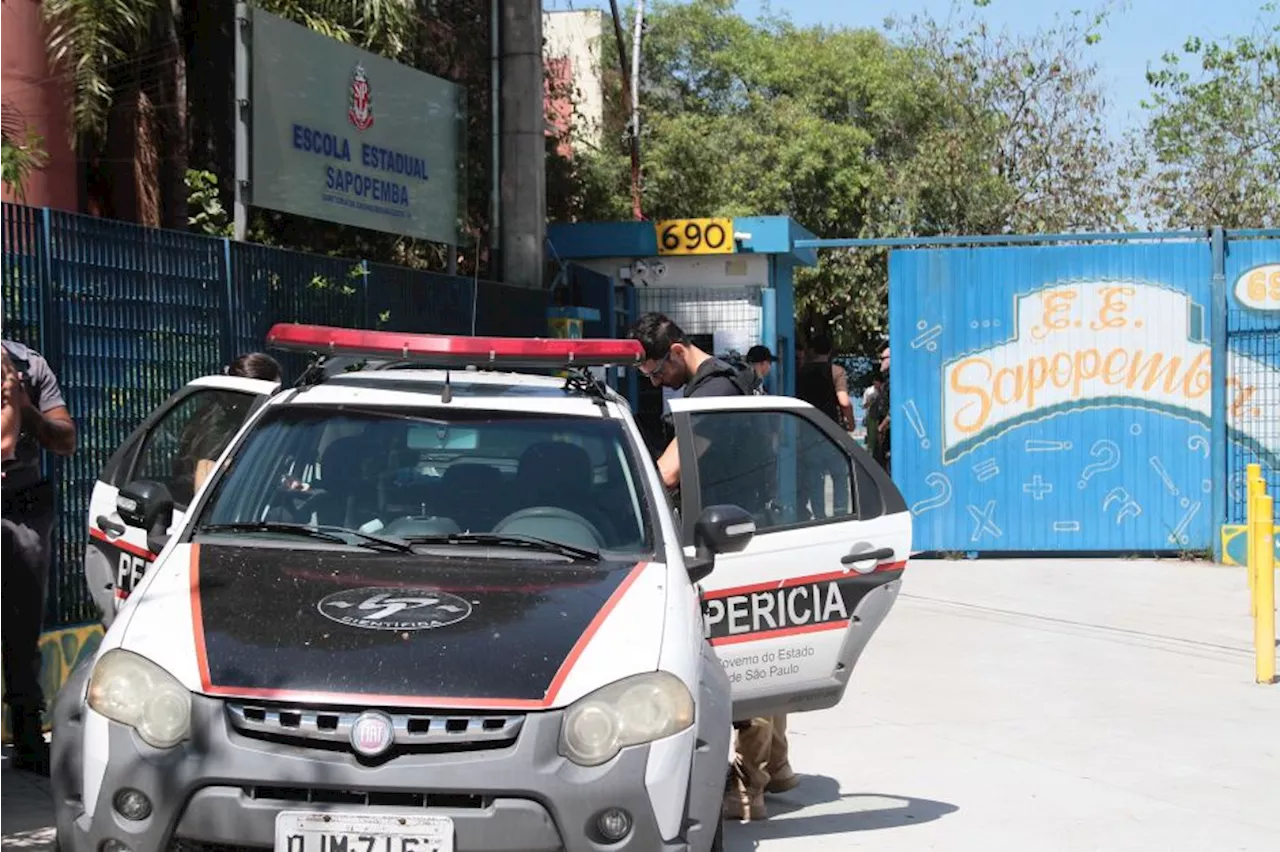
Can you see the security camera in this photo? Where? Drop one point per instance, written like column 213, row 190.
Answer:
column 660, row 269
column 639, row 269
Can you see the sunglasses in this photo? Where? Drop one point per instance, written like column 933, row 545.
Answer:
column 661, row 365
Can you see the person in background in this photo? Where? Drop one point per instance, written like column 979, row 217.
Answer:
column 882, row 414
column 9, row 424
column 31, row 391
column 255, row 365
column 761, row 361
column 869, row 399
column 824, row 385
column 207, row 434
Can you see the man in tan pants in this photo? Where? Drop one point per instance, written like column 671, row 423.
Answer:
column 760, row 766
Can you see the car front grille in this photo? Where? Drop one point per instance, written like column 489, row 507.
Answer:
column 366, row 798
column 414, row 732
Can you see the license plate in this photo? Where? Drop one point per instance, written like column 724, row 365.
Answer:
column 307, row 831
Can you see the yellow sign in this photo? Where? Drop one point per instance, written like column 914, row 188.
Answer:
column 60, row 652
column 695, row 236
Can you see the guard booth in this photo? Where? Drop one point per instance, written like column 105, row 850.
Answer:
column 726, row 282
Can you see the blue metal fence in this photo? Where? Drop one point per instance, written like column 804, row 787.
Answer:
column 1252, row 280
column 126, row 315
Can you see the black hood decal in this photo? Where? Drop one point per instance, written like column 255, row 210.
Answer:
column 393, row 628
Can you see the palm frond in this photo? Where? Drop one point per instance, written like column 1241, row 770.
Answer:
column 87, row 39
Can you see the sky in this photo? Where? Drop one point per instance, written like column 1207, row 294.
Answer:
column 1138, row 32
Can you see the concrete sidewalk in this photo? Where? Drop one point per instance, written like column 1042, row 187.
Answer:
column 1016, row 705
column 1044, row 705
column 26, row 810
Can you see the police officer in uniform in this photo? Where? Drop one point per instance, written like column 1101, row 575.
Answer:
column 31, row 389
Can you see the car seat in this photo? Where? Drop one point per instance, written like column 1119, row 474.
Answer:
column 474, row 495
column 351, row 497
column 556, row 473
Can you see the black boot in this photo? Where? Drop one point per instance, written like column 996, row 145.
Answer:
column 30, row 751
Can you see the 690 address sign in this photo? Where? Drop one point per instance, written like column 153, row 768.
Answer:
column 695, row 236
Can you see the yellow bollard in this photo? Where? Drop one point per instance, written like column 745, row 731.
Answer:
column 1262, row 566
column 1254, row 485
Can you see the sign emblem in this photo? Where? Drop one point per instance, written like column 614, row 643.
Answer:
column 360, row 110
column 373, row 733
column 394, row 609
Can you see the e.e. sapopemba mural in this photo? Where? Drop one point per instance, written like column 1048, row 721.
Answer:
column 1058, row 398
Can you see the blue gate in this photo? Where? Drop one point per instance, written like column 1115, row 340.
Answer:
column 1062, row 397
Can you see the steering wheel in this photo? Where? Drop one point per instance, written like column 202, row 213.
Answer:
column 551, row 522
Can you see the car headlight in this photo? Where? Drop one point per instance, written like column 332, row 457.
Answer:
column 134, row 691
column 632, row 711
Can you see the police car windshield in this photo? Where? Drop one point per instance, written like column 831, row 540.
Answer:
column 427, row 474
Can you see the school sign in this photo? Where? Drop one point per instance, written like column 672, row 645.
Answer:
column 1077, row 398
column 341, row 134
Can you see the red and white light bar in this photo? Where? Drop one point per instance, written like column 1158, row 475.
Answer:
column 455, row 349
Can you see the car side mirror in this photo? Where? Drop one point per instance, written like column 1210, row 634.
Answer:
column 719, row 529
column 147, row 505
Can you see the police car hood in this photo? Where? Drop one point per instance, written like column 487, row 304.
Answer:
column 397, row 629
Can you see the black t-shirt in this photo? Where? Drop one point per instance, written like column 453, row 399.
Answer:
column 723, row 446
column 716, row 378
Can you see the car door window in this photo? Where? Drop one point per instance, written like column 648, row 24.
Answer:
column 790, row 614
column 779, row 466
column 181, row 446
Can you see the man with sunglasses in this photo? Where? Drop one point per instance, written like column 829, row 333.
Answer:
column 672, row 361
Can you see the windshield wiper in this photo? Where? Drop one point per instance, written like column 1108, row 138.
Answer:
column 327, row 532
column 532, row 542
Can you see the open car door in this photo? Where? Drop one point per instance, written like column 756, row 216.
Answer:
column 169, row 447
column 790, row 614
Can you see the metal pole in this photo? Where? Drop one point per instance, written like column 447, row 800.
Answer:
column 524, row 125
column 1218, row 394
column 495, row 154
column 244, row 30
column 635, row 110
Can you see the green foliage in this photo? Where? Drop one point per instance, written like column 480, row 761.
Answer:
column 88, row 38
column 1210, row 152
column 929, row 129
column 204, row 205
column 379, row 26
column 19, row 158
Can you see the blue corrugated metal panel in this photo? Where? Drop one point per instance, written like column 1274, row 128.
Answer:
column 1053, row 398
column 1253, row 367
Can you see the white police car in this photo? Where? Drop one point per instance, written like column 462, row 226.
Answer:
column 420, row 607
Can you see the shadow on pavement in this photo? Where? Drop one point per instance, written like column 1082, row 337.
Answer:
column 853, row 812
column 26, row 809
